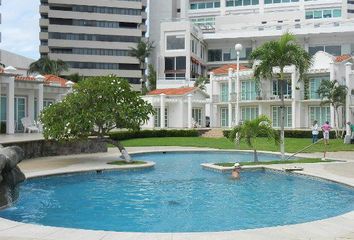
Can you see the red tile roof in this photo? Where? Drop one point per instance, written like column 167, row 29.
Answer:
column 55, row 79
column 173, row 91
column 224, row 70
column 49, row 79
column 25, row 78
column 343, row 58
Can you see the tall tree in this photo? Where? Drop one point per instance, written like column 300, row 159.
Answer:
column 200, row 82
column 45, row 65
column 141, row 52
column 96, row 106
column 152, row 77
column 250, row 130
column 334, row 94
column 279, row 54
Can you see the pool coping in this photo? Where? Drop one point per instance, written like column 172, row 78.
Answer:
column 330, row 228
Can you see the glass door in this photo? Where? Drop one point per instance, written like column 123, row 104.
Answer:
column 20, row 112
column 224, row 117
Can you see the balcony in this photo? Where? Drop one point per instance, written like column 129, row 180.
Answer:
column 309, row 96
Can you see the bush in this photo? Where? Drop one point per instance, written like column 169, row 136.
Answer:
column 293, row 134
column 123, row 135
column 2, row 127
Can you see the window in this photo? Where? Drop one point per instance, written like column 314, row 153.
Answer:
column 224, row 117
column 175, row 67
column 323, row 13
column 175, row 42
column 230, row 54
column 47, row 102
column 319, row 113
column 276, row 116
column 279, row 1
column 236, row 3
column 3, row 110
column 214, row 55
column 248, row 90
column 286, row 88
column 314, row 84
column 203, row 5
column 335, row 50
column 157, row 117
column 197, row 115
column 249, row 113
column 224, row 92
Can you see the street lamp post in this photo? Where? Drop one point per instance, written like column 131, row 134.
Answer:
column 238, row 48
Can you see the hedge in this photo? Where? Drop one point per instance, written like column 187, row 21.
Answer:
column 293, row 134
column 123, row 135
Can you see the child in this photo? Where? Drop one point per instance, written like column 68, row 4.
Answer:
column 314, row 129
column 325, row 129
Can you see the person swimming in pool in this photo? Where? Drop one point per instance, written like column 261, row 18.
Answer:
column 235, row 174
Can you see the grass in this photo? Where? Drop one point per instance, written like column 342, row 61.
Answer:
column 262, row 144
column 122, row 163
column 303, row 160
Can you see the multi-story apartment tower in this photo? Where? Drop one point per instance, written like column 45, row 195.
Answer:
column 201, row 42
column 93, row 37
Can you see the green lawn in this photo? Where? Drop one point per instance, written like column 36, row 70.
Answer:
column 291, row 144
column 304, row 160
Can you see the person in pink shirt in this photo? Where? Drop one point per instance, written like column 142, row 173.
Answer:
column 325, row 129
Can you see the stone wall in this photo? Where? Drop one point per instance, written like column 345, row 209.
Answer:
column 10, row 174
column 44, row 148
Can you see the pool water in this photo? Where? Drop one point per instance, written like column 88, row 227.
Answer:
column 179, row 196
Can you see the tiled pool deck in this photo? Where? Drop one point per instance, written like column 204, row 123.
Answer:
column 340, row 227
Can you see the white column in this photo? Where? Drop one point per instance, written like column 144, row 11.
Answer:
column 306, row 44
column 181, row 112
column 237, row 90
column 332, row 78
column 189, row 97
column 222, row 7
column 294, row 100
column 10, row 118
column 211, row 117
column 348, row 70
column 162, row 110
column 261, row 6
column 230, row 93
column 31, row 106
column 40, row 98
column 184, row 8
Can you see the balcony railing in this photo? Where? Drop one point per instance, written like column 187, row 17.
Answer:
column 309, row 96
column 249, row 96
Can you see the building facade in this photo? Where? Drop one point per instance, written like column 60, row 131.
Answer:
column 94, row 37
column 201, row 42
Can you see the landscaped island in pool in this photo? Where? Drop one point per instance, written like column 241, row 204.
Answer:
column 179, row 196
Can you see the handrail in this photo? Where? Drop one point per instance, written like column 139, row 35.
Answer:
column 304, row 149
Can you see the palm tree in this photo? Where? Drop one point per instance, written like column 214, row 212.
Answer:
column 279, row 54
column 45, row 65
column 331, row 92
column 200, row 83
column 250, row 130
column 141, row 52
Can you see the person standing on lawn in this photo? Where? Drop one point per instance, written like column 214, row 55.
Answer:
column 326, row 128
column 351, row 130
column 314, row 129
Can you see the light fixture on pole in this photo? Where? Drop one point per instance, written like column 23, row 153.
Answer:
column 142, row 85
column 238, row 48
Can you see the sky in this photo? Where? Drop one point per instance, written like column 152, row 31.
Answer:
column 20, row 27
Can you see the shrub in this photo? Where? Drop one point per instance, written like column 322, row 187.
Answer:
column 123, row 135
column 293, row 134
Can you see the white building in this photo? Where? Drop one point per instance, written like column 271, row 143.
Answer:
column 183, row 108
column 26, row 96
column 203, row 38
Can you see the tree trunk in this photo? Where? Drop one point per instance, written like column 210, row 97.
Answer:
column 336, row 122
column 282, row 122
column 121, row 148
column 255, row 155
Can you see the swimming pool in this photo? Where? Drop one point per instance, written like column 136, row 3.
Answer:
column 179, row 196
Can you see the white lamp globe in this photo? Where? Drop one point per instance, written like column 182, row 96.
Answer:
column 238, row 47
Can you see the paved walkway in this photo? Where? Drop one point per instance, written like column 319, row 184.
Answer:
column 339, row 228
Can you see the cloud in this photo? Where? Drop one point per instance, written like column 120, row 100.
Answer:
column 20, row 27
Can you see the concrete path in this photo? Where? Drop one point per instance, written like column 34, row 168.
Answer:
column 339, row 228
